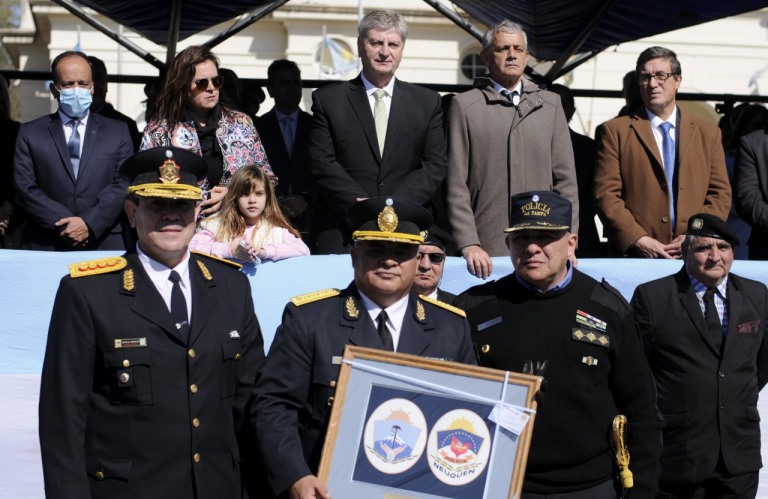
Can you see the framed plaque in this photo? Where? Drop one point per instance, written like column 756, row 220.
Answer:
column 404, row 426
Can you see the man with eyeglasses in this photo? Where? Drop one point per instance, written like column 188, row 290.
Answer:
column 506, row 135
column 430, row 269
column 657, row 167
column 66, row 168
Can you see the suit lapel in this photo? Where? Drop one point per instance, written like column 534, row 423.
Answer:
column 397, row 119
column 355, row 316
column 734, row 311
column 691, row 305
column 686, row 131
column 90, row 139
column 362, row 109
column 642, row 128
column 204, row 299
column 413, row 338
column 147, row 300
column 56, row 130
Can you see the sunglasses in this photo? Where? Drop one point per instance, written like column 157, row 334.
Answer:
column 202, row 83
column 434, row 258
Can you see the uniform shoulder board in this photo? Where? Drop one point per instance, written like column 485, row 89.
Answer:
column 224, row 260
column 442, row 304
column 100, row 266
column 314, row 296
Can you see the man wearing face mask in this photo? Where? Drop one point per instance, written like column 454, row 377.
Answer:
column 66, row 168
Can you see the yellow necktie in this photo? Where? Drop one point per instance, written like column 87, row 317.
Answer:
column 380, row 118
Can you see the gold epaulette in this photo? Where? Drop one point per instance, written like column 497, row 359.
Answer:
column 100, row 266
column 442, row 304
column 314, row 296
column 234, row 264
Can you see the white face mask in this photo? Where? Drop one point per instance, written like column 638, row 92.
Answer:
column 74, row 102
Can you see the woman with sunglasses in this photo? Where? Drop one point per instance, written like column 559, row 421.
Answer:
column 189, row 114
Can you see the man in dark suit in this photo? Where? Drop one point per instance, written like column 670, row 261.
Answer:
column 377, row 310
column 284, row 126
column 751, row 189
column 430, row 269
column 374, row 135
column 658, row 166
column 151, row 357
column 704, row 333
column 66, row 168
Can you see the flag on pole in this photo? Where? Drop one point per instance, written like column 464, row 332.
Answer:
column 335, row 59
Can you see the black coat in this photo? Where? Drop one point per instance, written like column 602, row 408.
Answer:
column 708, row 400
column 130, row 422
column 292, row 406
column 346, row 162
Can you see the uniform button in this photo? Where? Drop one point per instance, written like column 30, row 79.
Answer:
column 721, row 374
column 196, row 457
column 665, row 219
column 191, row 352
column 237, row 356
column 721, row 406
column 124, row 377
column 99, row 475
column 485, row 348
column 193, row 388
column 126, row 363
column 330, row 401
column 332, row 383
column 195, row 422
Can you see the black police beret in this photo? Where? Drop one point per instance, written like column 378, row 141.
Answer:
column 706, row 225
column 539, row 210
column 165, row 172
column 388, row 219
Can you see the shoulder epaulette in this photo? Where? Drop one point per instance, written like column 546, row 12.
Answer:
column 100, row 266
column 442, row 304
column 314, row 296
column 224, row 260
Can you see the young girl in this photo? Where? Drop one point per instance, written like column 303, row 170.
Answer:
column 250, row 225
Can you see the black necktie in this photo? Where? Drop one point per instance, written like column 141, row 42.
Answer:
column 384, row 333
column 179, row 306
column 711, row 317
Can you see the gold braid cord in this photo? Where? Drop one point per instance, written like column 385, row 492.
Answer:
column 622, row 454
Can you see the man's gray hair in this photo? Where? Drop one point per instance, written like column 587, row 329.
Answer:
column 505, row 26
column 384, row 20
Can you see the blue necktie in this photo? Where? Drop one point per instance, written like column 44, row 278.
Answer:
column 287, row 130
column 74, row 146
column 668, row 155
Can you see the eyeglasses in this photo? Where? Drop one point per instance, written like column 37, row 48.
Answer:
column 645, row 78
column 202, row 83
column 434, row 258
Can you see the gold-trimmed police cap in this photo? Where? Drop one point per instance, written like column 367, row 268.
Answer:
column 707, row 225
column 165, row 172
column 388, row 219
column 539, row 210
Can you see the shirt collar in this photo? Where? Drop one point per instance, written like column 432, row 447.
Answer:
column 517, row 88
column 294, row 115
column 656, row 121
column 700, row 287
column 370, row 88
column 66, row 119
column 557, row 287
column 159, row 273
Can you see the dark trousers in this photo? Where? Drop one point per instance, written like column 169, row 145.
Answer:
column 605, row 490
column 720, row 485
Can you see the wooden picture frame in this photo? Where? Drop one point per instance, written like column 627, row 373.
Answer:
column 404, row 426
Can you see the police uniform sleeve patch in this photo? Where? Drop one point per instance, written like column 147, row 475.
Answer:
column 442, row 304
column 100, row 266
column 223, row 260
column 314, row 296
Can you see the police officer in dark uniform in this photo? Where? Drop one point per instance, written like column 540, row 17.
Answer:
column 549, row 312
column 151, row 357
column 377, row 310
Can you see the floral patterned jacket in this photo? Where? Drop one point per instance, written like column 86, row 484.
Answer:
column 239, row 142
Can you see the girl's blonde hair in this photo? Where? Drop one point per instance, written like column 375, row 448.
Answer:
column 243, row 182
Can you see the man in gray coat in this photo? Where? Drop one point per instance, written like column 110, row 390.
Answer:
column 505, row 136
